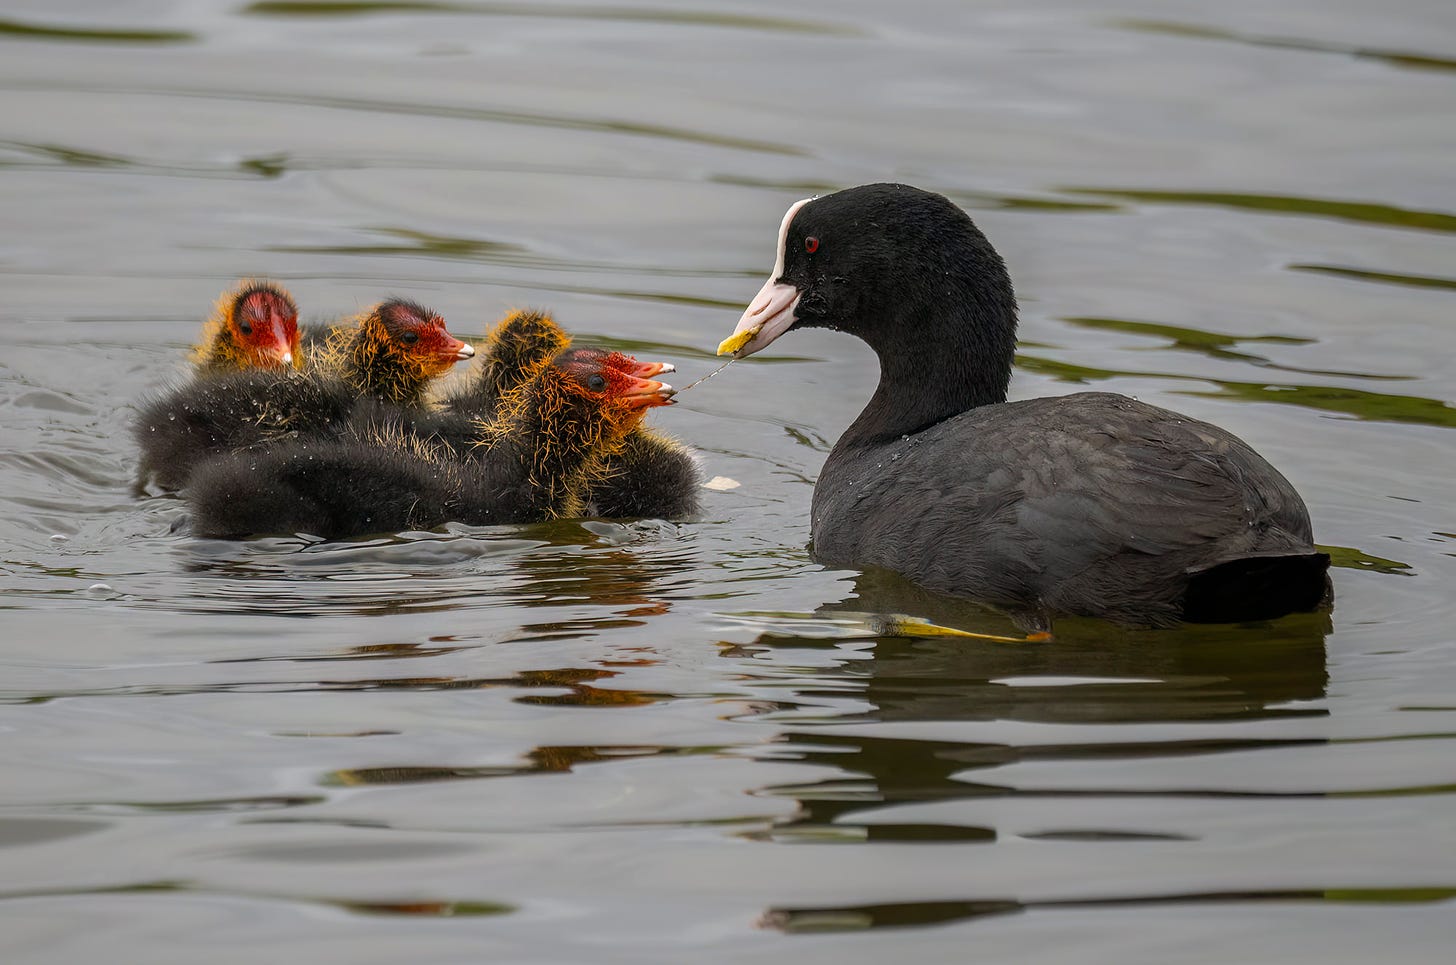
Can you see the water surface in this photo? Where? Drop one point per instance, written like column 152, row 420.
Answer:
column 652, row 742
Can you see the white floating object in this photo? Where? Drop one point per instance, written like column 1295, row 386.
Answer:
column 721, row 484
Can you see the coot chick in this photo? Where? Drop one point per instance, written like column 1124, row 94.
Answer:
column 1092, row 504
column 538, row 457
column 651, row 475
column 515, row 347
column 394, row 352
column 465, row 418
column 391, row 355
column 253, row 325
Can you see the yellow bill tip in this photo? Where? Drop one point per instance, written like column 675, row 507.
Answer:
column 733, row 343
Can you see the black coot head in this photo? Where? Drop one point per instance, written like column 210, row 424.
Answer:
column 878, row 261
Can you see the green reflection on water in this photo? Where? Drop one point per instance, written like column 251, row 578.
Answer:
column 1380, row 277
column 75, row 157
column 1392, row 895
column 268, row 166
column 1048, row 204
column 113, row 35
column 1397, row 58
column 422, row 244
column 434, row 909
column 1364, row 212
column 1349, row 558
column 1418, row 790
column 969, row 199
column 1367, row 406
column 1363, row 405
column 1213, row 344
column 364, row 8
column 923, row 913
column 403, row 907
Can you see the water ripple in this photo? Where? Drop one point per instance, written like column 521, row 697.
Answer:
column 110, row 35
column 1396, row 58
column 701, row 18
column 920, row 914
column 1380, row 277
column 1361, row 212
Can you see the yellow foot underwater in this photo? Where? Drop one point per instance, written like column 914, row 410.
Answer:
column 903, row 625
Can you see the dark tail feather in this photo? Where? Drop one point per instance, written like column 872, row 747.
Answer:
column 1257, row 588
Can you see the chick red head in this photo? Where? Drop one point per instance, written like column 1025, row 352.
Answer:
column 262, row 323
column 608, row 377
column 620, row 361
column 418, row 334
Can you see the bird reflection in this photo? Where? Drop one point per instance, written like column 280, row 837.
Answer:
column 1091, row 673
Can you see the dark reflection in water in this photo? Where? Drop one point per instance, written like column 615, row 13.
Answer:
column 1190, row 673
column 1216, row 345
column 1381, row 277
column 440, row 909
column 541, row 760
column 575, row 681
column 1369, row 406
column 662, row 15
column 922, row 913
column 372, row 651
column 1396, row 58
column 1090, row 673
column 587, row 562
column 1363, row 212
column 105, row 35
column 544, row 718
column 45, row 155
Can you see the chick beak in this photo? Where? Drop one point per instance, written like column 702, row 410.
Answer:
column 455, row 350
column 280, row 352
column 646, row 370
column 645, row 393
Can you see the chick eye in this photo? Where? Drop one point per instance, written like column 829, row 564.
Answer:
column 596, row 383
column 811, row 244
column 245, row 328
column 409, row 338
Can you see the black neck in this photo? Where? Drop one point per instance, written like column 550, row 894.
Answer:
column 937, row 363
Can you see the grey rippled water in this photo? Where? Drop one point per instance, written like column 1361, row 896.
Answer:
column 595, row 741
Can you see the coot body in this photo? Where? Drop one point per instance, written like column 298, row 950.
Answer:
column 1091, row 504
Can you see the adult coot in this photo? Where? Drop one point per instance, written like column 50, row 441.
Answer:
column 1093, row 504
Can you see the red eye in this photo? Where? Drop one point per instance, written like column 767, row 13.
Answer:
column 811, row 244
